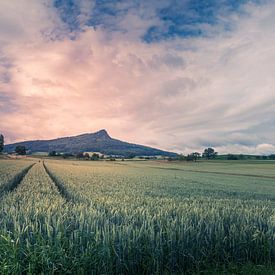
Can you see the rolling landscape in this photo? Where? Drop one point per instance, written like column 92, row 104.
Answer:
column 94, row 142
column 181, row 177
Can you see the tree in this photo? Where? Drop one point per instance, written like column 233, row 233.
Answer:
column 189, row 157
column 95, row 156
column 209, row 153
column 196, row 155
column 1, row 143
column 52, row 154
column 20, row 150
column 87, row 156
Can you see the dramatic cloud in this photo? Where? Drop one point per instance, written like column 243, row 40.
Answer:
column 66, row 70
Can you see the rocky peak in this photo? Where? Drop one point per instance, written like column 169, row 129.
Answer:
column 102, row 134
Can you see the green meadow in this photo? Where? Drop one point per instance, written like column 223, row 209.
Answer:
column 137, row 217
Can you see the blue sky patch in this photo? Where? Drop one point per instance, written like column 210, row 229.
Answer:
column 179, row 18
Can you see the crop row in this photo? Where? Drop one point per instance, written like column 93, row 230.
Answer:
column 9, row 169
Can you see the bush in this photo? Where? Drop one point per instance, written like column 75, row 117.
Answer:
column 20, row 150
column 52, row 154
column 95, row 156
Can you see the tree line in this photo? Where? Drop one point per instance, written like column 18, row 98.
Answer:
column 208, row 153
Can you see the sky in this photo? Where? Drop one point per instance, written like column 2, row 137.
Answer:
column 176, row 75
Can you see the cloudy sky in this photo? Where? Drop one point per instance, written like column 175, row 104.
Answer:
column 175, row 74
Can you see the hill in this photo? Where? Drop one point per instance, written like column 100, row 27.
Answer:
column 92, row 142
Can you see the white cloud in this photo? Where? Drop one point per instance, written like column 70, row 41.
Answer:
column 260, row 149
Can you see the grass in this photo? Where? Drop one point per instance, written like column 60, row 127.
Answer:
column 139, row 217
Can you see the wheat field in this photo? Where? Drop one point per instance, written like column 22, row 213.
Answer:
column 136, row 217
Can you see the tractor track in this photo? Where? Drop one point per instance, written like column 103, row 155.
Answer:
column 59, row 185
column 15, row 181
